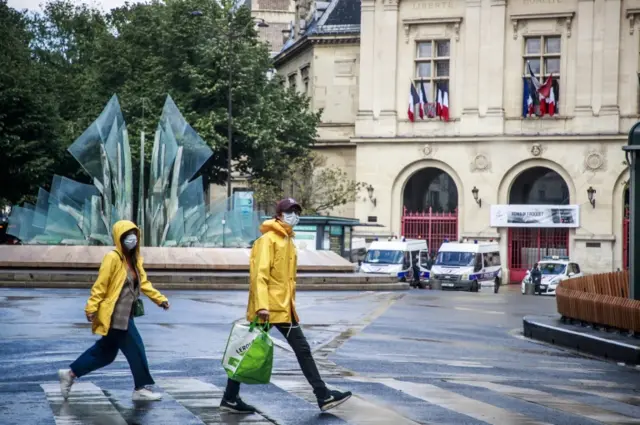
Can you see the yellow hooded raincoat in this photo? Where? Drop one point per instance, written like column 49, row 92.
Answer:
column 272, row 273
column 111, row 278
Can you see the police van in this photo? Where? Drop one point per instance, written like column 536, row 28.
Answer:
column 467, row 266
column 394, row 258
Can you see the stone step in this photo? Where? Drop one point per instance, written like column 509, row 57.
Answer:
column 23, row 278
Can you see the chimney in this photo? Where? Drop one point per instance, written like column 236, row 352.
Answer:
column 296, row 28
column 286, row 33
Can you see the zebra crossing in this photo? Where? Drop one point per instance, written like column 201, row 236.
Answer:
column 397, row 401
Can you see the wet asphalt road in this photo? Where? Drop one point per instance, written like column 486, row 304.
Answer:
column 420, row 356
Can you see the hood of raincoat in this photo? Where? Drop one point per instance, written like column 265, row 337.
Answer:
column 277, row 226
column 120, row 228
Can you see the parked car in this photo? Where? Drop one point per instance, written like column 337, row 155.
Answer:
column 554, row 270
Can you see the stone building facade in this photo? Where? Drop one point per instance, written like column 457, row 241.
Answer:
column 358, row 67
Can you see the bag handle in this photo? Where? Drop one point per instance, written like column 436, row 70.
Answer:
column 254, row 324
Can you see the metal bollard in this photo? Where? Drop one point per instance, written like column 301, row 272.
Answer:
column 529, row 289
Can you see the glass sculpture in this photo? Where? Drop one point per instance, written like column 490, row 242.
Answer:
column 171, row 210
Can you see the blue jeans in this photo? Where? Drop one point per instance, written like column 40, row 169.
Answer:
column 105, row 350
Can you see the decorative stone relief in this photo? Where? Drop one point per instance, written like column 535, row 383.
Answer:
column 427, row 150
column 454, row 28
column 632, row 17
column 407, row 33
column 480, row 163
column 518, row 21
column 594, row 161
column 536, row 149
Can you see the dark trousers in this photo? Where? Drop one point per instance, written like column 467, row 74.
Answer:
column 105, row 350
column 300, row 346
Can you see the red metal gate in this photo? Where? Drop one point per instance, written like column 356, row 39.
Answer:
column 433, row 227
column 528, row 245
column 625, row 239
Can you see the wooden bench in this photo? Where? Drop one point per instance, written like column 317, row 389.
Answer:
column 601, row 299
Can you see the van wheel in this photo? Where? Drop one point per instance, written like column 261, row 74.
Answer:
column 476, row 285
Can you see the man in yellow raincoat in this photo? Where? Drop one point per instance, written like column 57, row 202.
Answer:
column 272, row 298
column 110, row 309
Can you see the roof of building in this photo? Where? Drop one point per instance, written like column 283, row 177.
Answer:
column 342, row 17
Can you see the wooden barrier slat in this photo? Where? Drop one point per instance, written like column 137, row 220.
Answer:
column 601, row 299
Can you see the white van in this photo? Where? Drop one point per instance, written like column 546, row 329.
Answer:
column 394, row 258
column 467, row 266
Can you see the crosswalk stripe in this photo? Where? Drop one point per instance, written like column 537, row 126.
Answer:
column 203, row 400
column 623, row 398
column 87, row 404
column 356, row 411
column 552, row 401
column 456, row 402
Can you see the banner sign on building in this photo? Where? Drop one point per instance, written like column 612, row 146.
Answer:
column 535, row 216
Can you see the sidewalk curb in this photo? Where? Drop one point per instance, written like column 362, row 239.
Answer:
column 582, row 342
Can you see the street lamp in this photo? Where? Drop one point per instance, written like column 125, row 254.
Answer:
column 591, row 192
column 475, row 192
column 231, row 36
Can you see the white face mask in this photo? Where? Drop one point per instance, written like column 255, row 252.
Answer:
column 291, row 219
column 130, row 241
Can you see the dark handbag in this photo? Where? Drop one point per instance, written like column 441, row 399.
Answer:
column 138, row 308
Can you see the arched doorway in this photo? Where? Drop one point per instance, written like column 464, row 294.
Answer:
column 626, row 229
column 430, row 207
column 536, row 186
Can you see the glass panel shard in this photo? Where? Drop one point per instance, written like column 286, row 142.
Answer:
column 171, row 209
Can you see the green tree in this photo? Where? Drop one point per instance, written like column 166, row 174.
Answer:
column 28, row 116
column 317, row 187
column 143, row 52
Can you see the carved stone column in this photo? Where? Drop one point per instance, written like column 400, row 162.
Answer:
column 367, row 62
column 387, row 65
column 611, row 56
column 584, row 60
column 471, row 57
column 495, row 61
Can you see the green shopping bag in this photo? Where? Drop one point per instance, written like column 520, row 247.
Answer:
column 248, row 357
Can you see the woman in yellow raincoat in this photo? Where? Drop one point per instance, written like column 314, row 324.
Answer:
column 110, row 309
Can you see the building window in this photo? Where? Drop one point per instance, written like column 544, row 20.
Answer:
column 541, row 78
column 432, row 62
column 292, row 81
column 304, row 73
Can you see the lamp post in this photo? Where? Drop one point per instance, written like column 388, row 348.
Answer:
column 230, row 38
column 632, row 149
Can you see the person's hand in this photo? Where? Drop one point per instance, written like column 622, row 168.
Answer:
column 263, row 315
column 165, row 305
column 90, row 316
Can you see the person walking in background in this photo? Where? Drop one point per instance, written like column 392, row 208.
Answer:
column 272, row 293
column 536, row 278
column 110, row 309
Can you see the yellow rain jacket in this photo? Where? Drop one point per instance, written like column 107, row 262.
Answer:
column 111, row 278
column 272, row 273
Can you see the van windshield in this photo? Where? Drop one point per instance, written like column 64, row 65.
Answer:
column 381, row 256
column 455, row 259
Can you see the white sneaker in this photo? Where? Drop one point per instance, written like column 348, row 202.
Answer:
column 66, row 381
column 144, row 394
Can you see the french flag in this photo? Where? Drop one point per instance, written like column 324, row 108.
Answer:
column 414, row 99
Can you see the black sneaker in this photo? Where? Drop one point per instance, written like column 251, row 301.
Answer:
column 335, row 399
column 236, row 406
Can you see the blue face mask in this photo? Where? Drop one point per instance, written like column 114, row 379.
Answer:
column 292, row 219
column 130, row 242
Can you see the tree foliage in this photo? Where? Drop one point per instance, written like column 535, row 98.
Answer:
column 71, row 58
column 28, row 123
column 317, row 187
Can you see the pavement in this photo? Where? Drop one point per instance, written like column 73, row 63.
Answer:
column 411, row 357
column 596, row 340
